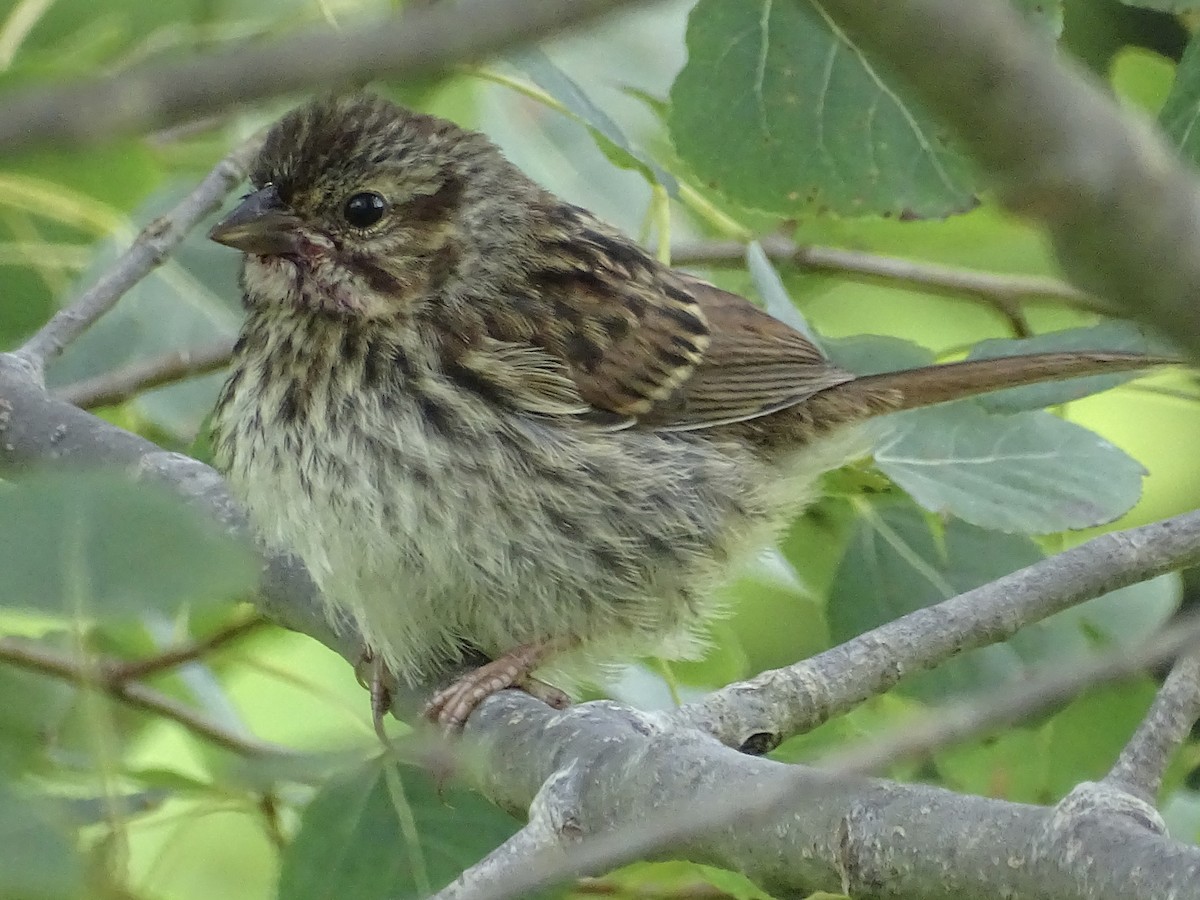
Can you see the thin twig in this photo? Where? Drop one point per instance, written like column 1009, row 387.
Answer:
column 974, row 717
column 39, row 659
column 423, row 42
column 128, row 381
column 173, row 657
column 1004, row 292
column 1140, row 768
column 778, row 704
column 147, row 252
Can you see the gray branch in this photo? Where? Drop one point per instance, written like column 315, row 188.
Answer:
column 1140, row 768
column 423, row 42
column 1003, row 291
column 1122, row 210
column 146, row 253
column 864, row 834
column 775, row 705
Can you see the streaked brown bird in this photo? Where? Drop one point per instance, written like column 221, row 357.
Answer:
column 489, row 423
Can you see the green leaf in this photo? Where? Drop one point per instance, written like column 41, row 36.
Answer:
column 1030, row 472
column 1167, row 6
column 1108, row 336
column 1180, row 114
column 355, row 841
column 770, row 287
column 869, row 354
column 619, row 149
column 895, row 565
column 780, row 111
column 38, row 858
column 98, row 544
column 33, row 705
column 1085, row 738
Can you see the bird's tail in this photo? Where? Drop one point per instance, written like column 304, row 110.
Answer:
column 929, row 385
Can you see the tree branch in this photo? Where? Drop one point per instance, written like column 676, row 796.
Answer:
column 1122, row 210
column 173, row 657
column 128, row 381
column 1140, row 768
column 637, row 767
column 770, row 707
column 1004, row 292
column 106, row 676
column 422, row 42
column 955, row 722
column 146, row 253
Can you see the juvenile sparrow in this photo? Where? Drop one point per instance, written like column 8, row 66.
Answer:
column 488, row 423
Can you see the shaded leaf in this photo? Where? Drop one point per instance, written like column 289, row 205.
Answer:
column 805, row 120
column 869, row 354
column 38, row 857
column 1180, row 114
column 1029, row 472
column 895, row 565
column 616, row 146
column 353, row 843
column 770, row 287
column 1168, row 6
column 97, row 543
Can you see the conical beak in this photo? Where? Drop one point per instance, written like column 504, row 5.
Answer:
column 260, row 225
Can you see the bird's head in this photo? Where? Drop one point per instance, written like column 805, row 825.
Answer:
column 357, row 207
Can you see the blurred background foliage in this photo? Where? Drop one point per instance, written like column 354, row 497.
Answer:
column 682, row 133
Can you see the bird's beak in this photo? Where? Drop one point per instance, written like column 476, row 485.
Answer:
column 261, row 225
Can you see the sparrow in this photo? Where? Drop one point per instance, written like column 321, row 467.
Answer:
column 492, row 426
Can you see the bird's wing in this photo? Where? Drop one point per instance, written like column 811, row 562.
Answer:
column 754, row 365
column 604, row 331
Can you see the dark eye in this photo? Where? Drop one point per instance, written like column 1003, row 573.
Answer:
column 365, row 209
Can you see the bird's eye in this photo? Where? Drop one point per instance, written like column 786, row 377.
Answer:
column 365, row 209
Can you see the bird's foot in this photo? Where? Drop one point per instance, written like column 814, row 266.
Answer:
column 373, row 674
column 451, row 706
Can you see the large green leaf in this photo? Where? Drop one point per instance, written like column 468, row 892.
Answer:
column 1030, row 472
column 361, row 838
column 779, row 110
column 98, row 544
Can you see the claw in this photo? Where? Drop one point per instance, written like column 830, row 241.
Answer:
column 373, row 675
column 450, row 708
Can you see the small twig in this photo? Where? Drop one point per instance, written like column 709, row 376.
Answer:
column 128, row 381
column 146, row 253
column 1001, row 291
column 971, row 718
column 39, row 659
column 778, row 704
column 1140, row 768
column 173, row 657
